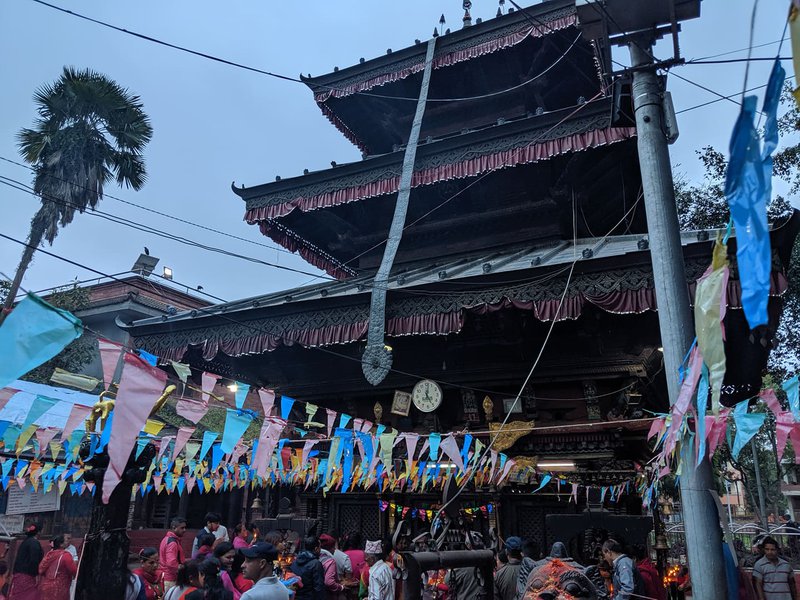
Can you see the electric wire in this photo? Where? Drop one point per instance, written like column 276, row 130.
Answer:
column 238, row 65
column 156, row 212
column 20, row 186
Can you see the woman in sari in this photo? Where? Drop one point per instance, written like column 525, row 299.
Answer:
column 26, row 567
column 150, row 574
column 56, row 571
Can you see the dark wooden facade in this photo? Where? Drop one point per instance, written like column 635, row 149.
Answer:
column 511, row 189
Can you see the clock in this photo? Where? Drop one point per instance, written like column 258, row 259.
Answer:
column 427, row 395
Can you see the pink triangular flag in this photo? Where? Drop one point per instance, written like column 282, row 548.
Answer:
column 267, row 441
column 449, row 446
column 183, row 435
column 267, row 401
column 163, row 444
column 191, row 410
column 771, row 400
column 656, row 426
column 110, row 353
column 506, row 470
column 365, row 428
column 77, row 416
column 5, row 396
column 306, row 449
column 331, row 419
column 238, row 450
column 357, row 424
column 209, row 381
column 45, row 435
column 783, row 429
column 139, row 389
column 411, row 444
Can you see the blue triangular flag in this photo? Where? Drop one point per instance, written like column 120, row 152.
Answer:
column 32, row 334
column 241, row 393
column 286, row 406
column 209, row 437
column 236, row 423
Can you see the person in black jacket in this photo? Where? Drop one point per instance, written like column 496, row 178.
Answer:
column 26, row 565
column 309, row 569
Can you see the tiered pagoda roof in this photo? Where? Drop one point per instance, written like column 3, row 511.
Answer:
column 519, row 141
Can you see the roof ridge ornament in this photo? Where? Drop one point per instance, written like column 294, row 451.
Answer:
column 467, row 4
column 376, row 361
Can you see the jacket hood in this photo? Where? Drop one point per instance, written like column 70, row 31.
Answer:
column 325, row 556
column 305, row 557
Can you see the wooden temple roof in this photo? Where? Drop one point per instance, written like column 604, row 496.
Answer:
column 533, row 171
column 612, row 276
column 508, row 66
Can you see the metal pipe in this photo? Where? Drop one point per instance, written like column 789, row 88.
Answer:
column 419, row 562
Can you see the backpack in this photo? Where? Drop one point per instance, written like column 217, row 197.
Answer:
column 638, row 582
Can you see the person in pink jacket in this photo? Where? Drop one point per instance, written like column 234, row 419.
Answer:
column 170, row 552
column 335, row 590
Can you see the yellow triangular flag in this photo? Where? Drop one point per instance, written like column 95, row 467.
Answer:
column 153, row 427
column 25, row 437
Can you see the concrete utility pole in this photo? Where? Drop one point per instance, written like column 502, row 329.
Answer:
column 703, row 533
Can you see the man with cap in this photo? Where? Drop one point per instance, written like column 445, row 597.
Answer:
column 505, row 580
column 381, row 582
column 258, row 563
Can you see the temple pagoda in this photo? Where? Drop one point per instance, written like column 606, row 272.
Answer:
column 524, row 208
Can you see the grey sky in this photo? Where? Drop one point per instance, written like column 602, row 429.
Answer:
column 215, row 124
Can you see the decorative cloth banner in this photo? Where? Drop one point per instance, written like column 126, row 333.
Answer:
column 110, row 353
column 236, row 423
column 769, row 398
column 286, row 407
column 241, row 394
column 747, row 425
column 139, row 389
column 191, row 410
column 78, row 414
column 710, row 303
column 748, row 187
column 32, row 334
column 267, row 398
column 44, row 436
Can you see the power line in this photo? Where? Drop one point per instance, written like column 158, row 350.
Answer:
column 20, row 186
column 294, row 79
column 155, row 212
column 737, row 60
column 742, row 49
column 758, row 87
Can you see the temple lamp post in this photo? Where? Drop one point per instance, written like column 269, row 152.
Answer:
column 638, row 25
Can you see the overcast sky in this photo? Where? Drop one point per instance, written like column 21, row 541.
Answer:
column 214, row 124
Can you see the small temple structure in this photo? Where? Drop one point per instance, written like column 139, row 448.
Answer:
column 524, row 209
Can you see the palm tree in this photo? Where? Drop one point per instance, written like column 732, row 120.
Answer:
column 89, row 131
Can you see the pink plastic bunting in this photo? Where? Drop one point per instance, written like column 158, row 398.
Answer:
column 110, row 353
column 191, row 410
column 77, row 416
column 183, row 435
column 331, row 419
column 209, row 380
column 139, row 388
column 267, row 401
column 268, row 439
column 450, row 447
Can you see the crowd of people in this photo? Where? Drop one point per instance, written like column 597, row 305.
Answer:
column 276, row 566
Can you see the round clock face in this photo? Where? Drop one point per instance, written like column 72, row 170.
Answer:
column 427, row 395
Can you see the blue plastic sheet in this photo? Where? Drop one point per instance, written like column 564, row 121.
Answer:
column 748, row 187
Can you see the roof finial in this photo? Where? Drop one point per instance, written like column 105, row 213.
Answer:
column 442, row 21
column 467, row 4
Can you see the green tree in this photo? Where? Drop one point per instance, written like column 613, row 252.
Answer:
column 703, row 206
column 89, row 132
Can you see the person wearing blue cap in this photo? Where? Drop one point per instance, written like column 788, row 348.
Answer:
column 258, row 564
column 505, row 580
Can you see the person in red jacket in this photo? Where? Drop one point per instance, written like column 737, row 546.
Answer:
column 654, row 587
column 170, row 552
column 56, row 571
